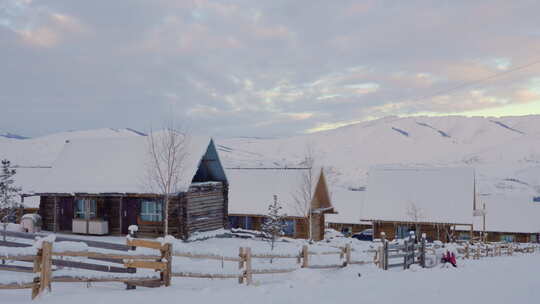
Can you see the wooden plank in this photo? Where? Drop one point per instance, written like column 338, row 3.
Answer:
column 94, row 267
column 325, row 266
column 146, row 264
column 274, row 256
column 90, row 243
column 17, row 257
column 17, row 286
column 205, row 275
column 270, row 271
column 144, row 243
column 206, row 256
column 74, row 279
column 90, row 254
column 16, row 268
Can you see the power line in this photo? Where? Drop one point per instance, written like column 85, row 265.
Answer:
column 478, row 81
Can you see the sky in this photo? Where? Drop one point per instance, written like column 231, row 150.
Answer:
column 261, row 68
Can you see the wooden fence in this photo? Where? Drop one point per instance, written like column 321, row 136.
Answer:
column 44, row 259
column 407, row 254
column 245, row 262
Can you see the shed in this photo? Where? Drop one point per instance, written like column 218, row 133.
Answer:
column 252, row 192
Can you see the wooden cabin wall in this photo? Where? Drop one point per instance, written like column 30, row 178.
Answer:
column 389, row 228
column 111, row 211
column 301, row 229
column 204, row 210
column 47, row 211
column 353, row 228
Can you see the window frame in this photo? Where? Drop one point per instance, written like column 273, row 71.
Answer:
column 151, row 211
column 88, row 206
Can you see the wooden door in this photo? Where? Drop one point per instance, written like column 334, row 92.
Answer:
column 65, row 210
column 130, row 211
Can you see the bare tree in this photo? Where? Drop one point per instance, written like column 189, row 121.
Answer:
column 168, row 150
column 303, row 195
column 416, row 215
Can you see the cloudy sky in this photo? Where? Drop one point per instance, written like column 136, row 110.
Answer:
column 264, row 68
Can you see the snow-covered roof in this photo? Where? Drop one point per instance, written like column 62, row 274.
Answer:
column 252, row 190
column 349, row 206
column 119, row 165
column 518, row 214
column 438, row 195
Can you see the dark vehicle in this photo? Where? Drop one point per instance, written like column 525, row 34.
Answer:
column 364, row 235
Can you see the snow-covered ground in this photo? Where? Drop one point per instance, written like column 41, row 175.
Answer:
column 490, row 280
column 505, row 279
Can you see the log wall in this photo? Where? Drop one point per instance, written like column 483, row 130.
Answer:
column 204, row 209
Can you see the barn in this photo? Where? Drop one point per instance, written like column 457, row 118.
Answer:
column 102, row 186
column 435, row 201
column 252, row 191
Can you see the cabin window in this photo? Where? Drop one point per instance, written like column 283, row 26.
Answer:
column 402, row 231
column 151, row 211
column 464, row 236
column 507, row 238
column 85, row 208
column 289, row 227
column 234, row 222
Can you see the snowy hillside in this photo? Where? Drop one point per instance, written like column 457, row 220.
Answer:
column 504, row 151
column 42, row 151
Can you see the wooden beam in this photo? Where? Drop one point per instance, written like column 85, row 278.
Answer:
column 147, row 264
column 144, row 243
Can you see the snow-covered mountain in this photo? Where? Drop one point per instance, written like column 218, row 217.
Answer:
column 504, row 151
column 11, row 135
column 42, row 151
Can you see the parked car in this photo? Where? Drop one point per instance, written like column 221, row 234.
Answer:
column 364, row 235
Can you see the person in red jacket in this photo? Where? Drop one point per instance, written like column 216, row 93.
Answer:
column 449, row 258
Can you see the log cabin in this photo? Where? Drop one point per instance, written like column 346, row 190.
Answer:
column 252, row 192
column 103, row 186
column 434, row 201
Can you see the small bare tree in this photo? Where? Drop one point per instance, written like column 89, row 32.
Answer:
column 303, row 196
column 415, row 214
column 167, row 150
column 274, row 223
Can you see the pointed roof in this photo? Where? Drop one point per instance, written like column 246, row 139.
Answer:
column 115, row 165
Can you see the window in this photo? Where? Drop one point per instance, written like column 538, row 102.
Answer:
column 507, row 238
column 464, row 236
column 288, row 228
column 85, row 208
column 151, row 211
column 234, row 222
column 402, row 231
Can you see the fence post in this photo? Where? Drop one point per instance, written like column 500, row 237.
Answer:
column 37, row 269
column 348, row 250
column 166, row 253
column 241, row 264
column 132, row 234
column 249, row 270
column 423, row 251
column 385, row 255
column 305, row 256
column 46, row 267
